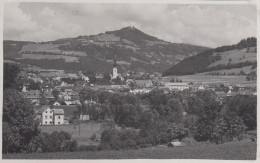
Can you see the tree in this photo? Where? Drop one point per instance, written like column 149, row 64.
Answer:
column 245, row 107
column 35, row 86
column 19, row 126
column 92, row 78
column 207, row 121
column 43, row 100
column 55, row 93
column 174, row 111
column 10, row 75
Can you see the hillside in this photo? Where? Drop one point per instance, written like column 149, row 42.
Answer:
column 222, row 59
column 135, row 51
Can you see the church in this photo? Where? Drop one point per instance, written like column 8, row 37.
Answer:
column 115, row 74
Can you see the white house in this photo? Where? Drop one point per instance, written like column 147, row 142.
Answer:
column 49, row 116
column 177, row 86
column 58, row 116
column 45, row 115
column 56, row 103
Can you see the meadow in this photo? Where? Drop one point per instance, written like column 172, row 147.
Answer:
column 49, row 56
column 235, row 56
column 238, row 150
column 82, row 133
column 202, row 78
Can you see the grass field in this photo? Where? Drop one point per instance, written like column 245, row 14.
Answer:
column 236, row 56
column 202, row 78
column 240, row 150
column 48, row 56
column 82, row 136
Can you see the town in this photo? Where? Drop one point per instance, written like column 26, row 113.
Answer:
column 61, row 89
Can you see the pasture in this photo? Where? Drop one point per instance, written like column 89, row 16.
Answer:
column 239, row 150
column 82, row 133
column 202, row 78
column 54, row 48
column 246, row 69
column 49, row 56
column 236, row 56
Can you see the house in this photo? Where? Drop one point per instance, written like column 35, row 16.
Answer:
column 201, row 87
column 144, row 83
column 175, row 143
column 70, row 112
column 45, row 115
column 141, row 91
column 56, row 103
column 33, row 95
column 36, row 79
column 212, row 87
column 58, row 116
column 50, row 116
column 221, row 94
column 84, row 117
column 176, row 86
column 48, row 94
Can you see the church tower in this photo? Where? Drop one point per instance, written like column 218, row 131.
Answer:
column 115, row 74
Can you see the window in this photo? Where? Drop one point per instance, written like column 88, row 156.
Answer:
column 50, row 122
column 45, row 122
column 50, row 117
column 58, row 122
column 50, row 111
column 46, row 117
column 58, row 117
column 46, row 112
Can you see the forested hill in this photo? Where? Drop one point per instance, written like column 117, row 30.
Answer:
column 214, row 59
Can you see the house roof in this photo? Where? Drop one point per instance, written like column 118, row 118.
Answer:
column 59, row 111
column 176, row 84
column 69, row 110
column 41, row 109
column 221, row 94
column 32, row 94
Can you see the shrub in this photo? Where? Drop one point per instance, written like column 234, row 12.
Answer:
column 88, row 148
column 93, row 137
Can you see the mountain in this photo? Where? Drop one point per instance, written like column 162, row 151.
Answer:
column 134, row 50
column 231, row 59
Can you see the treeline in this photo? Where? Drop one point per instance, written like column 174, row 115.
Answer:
column 245, row 43
column 200, row 62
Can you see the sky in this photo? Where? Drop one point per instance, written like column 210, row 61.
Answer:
column 205, row 25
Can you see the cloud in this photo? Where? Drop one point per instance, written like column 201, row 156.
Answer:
column 207, row 25
column 16, row 22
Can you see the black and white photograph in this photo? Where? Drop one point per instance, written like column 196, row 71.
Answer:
column 122, row 80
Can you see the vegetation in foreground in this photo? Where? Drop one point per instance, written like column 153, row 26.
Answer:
column 240, row 150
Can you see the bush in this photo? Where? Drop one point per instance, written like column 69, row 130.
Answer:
column 93, row 137
column 88, row 148
column 54, row 142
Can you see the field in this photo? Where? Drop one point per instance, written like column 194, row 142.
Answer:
column 82, row 136
column 48, row 56
column 202, row 78
column 240, row 150
column 41, row 47
column 236, row 56
column 246, row 69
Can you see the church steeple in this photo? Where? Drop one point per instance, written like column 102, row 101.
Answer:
column 115, row 74
column 115, row 62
